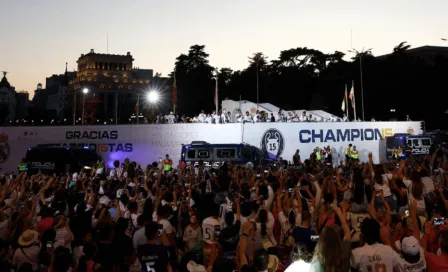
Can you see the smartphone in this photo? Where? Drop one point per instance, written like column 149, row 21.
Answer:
column 266, row 171
column 160, row 230
column 314, row 238
column 406, row 213
column 258, row 175
column 49, row 244
column 290, row 190
column 439, row 221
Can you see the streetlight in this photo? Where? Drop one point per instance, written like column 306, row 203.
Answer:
column 84, row 91
column 361, row 54
column 152, row 96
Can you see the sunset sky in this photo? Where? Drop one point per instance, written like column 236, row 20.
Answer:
column 39, row 37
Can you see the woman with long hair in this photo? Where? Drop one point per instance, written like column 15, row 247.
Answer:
column 331, row 253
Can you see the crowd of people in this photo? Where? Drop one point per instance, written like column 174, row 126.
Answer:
column 309, row 216
column 224, row 117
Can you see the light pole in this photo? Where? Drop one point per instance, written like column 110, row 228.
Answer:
column 361, row 54
column 153, row 97
column 84, row 91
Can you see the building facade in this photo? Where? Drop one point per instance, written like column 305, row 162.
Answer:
column 7, row 100
column 113, row 86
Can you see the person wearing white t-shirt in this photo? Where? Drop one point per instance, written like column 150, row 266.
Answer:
column 211, row 229
column 247, row 117
column 170, row 118
column 208, row 119
column 216, row 117
column 201, row 117
column 373, row 256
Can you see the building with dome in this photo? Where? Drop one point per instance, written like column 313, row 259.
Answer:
column 113, row 86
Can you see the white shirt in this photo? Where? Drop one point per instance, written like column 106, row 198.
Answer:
column 247, row 118
column 201, row 117
column 217, row 118
column 376, row 257
column 170, row 119
column 167, row 227
column 209, row 227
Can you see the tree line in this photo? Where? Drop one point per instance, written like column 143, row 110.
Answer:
column 305, row 78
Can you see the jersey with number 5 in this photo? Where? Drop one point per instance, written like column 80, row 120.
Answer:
column 209, row 228
column 153, row 258
column 375, row 258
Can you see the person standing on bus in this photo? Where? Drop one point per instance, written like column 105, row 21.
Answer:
column 22, row 166
column 394, row 153
column 348, row 152
column 399, row 153
column 167, row 164
column 354, row 154
column 296, row 157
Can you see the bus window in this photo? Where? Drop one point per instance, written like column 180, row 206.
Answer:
column 225, row 153
column 191, row 154
column 415, row 142
column 426, row 142
column 410, row 142
column 203, row 153
column 246, row 153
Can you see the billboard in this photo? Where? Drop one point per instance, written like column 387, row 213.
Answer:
column 147, row 143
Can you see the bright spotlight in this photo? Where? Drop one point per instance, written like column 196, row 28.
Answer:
column 153, row 96
column 85, row 90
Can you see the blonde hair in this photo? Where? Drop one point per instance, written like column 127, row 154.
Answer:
column 328, row 250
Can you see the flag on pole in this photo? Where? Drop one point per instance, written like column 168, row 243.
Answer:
column 343, row 99
column 352, row 98
column 174, row 93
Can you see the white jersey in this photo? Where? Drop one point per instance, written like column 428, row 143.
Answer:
column 414, row 267
column 217, row 118
column 209, row 228
column 170, row 119
column 375, row 258
column 201, row 118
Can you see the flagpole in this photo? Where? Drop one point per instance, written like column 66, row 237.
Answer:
column 346, row 102
column 362, row 88
column 258, row 102
column 74, row 107
column 174, row 93
column 138, row 108
column 216, row 92
column 354, row 99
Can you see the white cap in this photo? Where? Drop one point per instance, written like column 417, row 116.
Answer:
column 194, row 267
column 410, row 246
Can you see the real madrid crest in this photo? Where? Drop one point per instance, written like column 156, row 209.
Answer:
column 273, row 142
column 4, row 148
